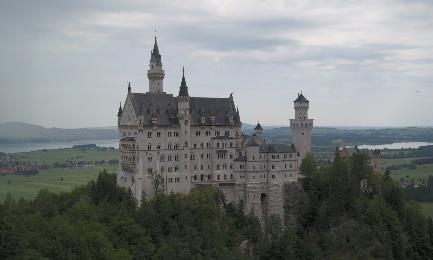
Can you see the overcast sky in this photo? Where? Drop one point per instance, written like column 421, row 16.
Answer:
column 360, row 63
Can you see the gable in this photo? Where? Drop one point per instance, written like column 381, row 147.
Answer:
column 129, row 116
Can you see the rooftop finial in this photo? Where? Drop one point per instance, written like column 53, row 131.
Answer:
column 183, row 71
column 129, row 86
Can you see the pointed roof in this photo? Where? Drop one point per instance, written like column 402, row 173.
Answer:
column 301, row 98
column 154, row 54
column 119, row 113
column 183, row 90
column 258, row 127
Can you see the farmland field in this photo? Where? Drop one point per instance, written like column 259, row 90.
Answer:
column 61, row 155
column 55, row 180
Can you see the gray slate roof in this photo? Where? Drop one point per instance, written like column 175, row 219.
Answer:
column 277, row 148
column 164, row 107
column 301, row 98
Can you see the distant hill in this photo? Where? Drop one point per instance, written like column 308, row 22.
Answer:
column 322, row 136
column 16, row 132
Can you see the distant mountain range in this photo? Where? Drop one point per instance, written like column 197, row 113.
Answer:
column 16, row 132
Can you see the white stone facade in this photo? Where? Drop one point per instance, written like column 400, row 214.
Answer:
column 192, row 141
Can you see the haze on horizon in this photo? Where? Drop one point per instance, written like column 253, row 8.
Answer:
column 360, row 63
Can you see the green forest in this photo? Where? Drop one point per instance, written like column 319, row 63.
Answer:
column 345, row 212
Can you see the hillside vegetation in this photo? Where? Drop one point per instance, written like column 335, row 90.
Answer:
column 346, row 212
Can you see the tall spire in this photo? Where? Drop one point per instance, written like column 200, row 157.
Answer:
column 129, row 86
column 183, row 91
column 155, row 56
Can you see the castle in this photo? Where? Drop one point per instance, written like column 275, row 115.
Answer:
column 181, row 142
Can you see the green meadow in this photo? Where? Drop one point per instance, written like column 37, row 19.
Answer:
column 55, row 180
column 427, row 208
column 62, row 155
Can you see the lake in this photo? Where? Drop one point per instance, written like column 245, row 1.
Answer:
column 405, row 145
column 28, row 147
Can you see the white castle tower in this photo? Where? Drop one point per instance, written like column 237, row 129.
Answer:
column 155, row 74
column 301, row 126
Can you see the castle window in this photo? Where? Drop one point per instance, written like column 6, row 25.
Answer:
column 224, row 166
column 231, row 144
column 195, row 177
column 231, row 176
column 217, row 133
column 273, row 176
column 218, row 166
column 231, row 166
column 231, row 156
column 208, row 167
column 197, row 133
column 302, row 133
column 285, row 165
column 201, row 167
column 290, row 165
column 227, row 133
column 176, row 134
column 225, row 176
column 162, row 168
column 169, row 158
column 195, row 145
column 201, row 177
column 149, row 147
column 149, row 134
column 254, row 167
column 209, row 177
column 273, row 167
column 186, row 167
column 149, row 159
column 218, row 177
column 218, row 144
column 254, row 176
column 176, row 168
column 176, row 157
column 201, row 145
column 158, row 134
column 158, row 147
column 169, row 134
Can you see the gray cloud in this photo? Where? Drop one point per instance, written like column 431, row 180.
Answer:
column 63, row 57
